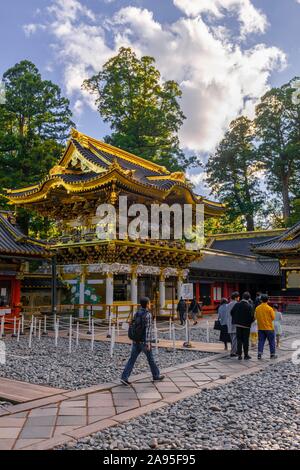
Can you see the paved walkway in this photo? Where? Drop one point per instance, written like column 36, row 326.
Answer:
column 20, row 392
column 52, row 421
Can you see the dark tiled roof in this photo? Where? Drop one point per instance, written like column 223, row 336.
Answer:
column 14, row 242
column 288, row 242
column 241, row 246
column 220, row 261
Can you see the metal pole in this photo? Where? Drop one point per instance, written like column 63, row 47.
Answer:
column 54, row 287
column 93, row 335
column 77, row 333
column 40, row 329
column 70, row 334
column 19, row 331
column 45, row 326
column 2, row 327
column 14, row 335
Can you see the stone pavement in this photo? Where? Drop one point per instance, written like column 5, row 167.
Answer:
column 52, row 421
column 16, row 391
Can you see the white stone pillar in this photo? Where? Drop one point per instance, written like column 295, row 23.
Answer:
column 133, row 287
column 179, row 287
column 109, row 292
column 162, row 291
column 81, row 292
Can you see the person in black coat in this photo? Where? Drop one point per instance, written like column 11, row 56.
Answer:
column 194, row 310
column 242, row 317
column 181, row 309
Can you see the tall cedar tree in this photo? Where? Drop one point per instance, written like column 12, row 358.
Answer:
column 142, row 110
column 278, row 132
column 232, row 172
column 35, row 120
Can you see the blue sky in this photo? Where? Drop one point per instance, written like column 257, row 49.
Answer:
column 224, row 53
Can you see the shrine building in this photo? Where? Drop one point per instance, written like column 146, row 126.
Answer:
column 112, row 272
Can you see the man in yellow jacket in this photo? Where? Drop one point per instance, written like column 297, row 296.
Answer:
column 265, row 316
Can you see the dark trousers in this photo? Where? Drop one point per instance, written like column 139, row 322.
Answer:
column 136, row 350
column 182, row 317
column 262, row 336
column 242, row 335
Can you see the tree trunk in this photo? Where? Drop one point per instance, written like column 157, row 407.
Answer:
column 250, row 222
column 286, row 199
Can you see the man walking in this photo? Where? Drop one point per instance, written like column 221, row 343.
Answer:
column 181, row 309
column 242, row 317
column 140, row 332
column 235, row 297
column 265, row 316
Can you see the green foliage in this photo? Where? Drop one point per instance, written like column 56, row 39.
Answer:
column 295, row 212
column 34, row 122
column 233, row 173
column 224, row 224
column 278, row 133
column 142, row 110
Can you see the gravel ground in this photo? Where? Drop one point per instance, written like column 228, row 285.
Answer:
column 291, row 320
column 44, row 364
column 260, row 411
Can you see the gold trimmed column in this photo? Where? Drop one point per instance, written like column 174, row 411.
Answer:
column 133, row 286
column 162, row 290
column 179, row 284
column 109, row 290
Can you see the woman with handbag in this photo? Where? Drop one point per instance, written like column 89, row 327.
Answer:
column 222, row 318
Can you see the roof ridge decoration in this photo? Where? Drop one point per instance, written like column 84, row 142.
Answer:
column 85, row 140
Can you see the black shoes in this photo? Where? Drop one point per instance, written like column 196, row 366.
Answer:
column 159, row 379
column 259, row 356
column 247, row 358
column 240, row 358
column 125, row 382
column 273, row 356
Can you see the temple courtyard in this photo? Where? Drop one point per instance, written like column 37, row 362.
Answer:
column 207, row 400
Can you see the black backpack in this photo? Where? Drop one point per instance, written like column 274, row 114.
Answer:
column 137, row 328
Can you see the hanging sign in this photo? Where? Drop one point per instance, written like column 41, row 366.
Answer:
column 187, row 291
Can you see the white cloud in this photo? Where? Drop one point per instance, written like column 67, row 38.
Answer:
column 252, row 20
column 32, row 28
column 219, row 78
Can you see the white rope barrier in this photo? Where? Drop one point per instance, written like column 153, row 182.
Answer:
column 174, row 337
column 2, row 327
column 14, row 335
column 109, row 326
column 22, row 325
column 93, row 335
column 77, row 334
column 70, row 334
column 40, row 330
column 56, row 326
column 45, row 326
column 112, row 340
column 19, row 331
column 30, row 334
